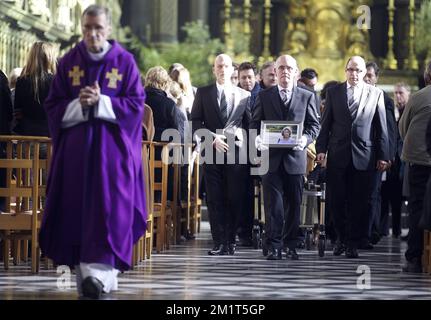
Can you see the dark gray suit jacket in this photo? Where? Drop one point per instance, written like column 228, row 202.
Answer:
column 363, row 140
column 302, row 108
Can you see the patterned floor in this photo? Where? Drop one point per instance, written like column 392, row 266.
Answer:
column 186, row 272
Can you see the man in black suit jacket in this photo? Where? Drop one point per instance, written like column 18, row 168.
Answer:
column 374, row 234
column 354, row 134
column 5, row 124
column 283, row 184
column 221, row 109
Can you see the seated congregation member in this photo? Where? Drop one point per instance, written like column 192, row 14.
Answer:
column 32, row 88
column 157, row 84
column 166, row 114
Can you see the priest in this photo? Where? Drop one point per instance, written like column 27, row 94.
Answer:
column 95, row 209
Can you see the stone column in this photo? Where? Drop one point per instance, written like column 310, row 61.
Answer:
column 165, row 21
column 199, row 10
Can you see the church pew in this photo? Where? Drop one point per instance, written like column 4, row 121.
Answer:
column 22, row 221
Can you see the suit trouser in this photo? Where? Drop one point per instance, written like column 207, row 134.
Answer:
column 376, row 203
column 225, row 199
column 283, row 195
column 418, row 178
column 246, row 217
column 350, row 202
column 392, row 195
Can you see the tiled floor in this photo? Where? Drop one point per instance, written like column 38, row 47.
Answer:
column 186, row 272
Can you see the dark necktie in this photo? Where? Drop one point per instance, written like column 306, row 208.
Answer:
column 284, row 97
column 223, row 107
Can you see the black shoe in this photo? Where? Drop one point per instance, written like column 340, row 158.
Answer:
column 413, row 266
column 231, row 249
column 293, row 254
column 219, row 250
column 92, row 288
column 300, row 245
column 352, row 253
column 274, row 254
column 189, row 236
column 375, row 238
column 339, row 248
column 366, row 246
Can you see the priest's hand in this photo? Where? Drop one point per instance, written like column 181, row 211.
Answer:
column 90, row 95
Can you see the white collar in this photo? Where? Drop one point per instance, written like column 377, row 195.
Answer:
column 359, row 86
column 226, row 88
column 287, row 89
column 99, row 56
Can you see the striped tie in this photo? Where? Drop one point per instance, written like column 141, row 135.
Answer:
column 284, row 97
column 223, row 107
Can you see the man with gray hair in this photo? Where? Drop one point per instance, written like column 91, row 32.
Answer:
column 95, row 209
column 413, row 129
column 268, row 75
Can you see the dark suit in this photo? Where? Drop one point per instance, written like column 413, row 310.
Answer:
column 376, row 198
column 283, row 184
column 353, row 147
column 224, row 182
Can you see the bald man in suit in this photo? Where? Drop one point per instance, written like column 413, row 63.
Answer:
column 222, row 109
column 354, row 138
column 283, row 184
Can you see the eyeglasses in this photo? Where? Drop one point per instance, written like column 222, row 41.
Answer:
column 351, row 70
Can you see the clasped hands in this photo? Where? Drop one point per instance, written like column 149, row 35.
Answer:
column 90, row 95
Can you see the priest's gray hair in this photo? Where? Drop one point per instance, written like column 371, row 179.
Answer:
column 95, row 10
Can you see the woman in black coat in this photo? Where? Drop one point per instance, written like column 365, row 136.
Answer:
column 165, row 113
column 32, row 88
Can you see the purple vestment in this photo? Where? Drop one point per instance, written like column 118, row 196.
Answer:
column 95, row 209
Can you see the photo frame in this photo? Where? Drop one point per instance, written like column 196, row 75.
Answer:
column 281, row 134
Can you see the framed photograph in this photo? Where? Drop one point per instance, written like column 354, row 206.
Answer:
column 281, row 134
